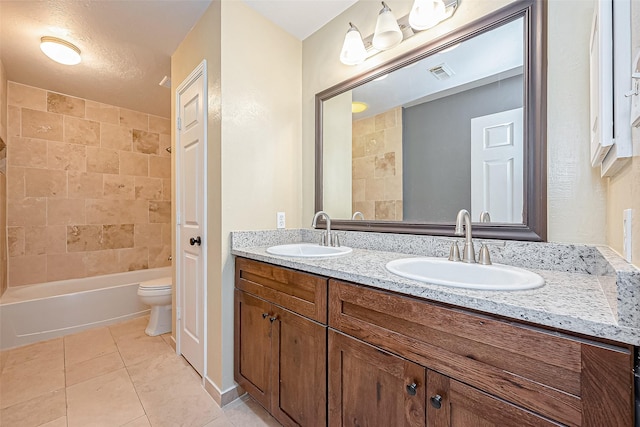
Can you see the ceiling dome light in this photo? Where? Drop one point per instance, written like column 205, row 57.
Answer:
column 358, row 107
column 353, row 50
column 60, row 50
column 387, row 34
column 426, row 14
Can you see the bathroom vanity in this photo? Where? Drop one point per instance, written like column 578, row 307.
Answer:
column 315, row 349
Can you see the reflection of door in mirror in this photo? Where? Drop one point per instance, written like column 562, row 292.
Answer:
column 497, row 170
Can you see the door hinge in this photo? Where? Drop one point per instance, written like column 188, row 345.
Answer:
column 179, row 124
column 178, row 218
column 178, row 313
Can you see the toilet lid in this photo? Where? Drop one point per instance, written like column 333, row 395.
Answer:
column 161, row 283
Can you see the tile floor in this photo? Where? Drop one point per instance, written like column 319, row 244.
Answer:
column 111, row 376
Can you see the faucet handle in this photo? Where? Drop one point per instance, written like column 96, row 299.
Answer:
column 454, row 252
column 323, row 239
column 336, row 240
column 483, row 255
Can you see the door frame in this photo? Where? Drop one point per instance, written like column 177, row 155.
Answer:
column 200, row 70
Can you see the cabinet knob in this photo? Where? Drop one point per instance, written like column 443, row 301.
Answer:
column 436, row 401
column 273, row 319
column 412, row 389
column 265, row 315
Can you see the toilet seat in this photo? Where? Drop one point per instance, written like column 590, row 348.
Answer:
column 157, row 284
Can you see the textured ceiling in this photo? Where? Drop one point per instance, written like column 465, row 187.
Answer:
column 126, row 47
column 126, row 44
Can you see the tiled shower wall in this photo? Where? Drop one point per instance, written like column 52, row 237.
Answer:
column 88, row 188
column 377, row 166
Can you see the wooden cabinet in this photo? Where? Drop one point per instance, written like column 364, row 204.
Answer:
column 451, row 403
column 496, row 369
column 371, row 387
column 394, row 360
column 280, row 356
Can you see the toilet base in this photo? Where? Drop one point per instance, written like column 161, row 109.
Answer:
column 159, row 320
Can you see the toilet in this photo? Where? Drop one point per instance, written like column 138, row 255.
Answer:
column 157, row 294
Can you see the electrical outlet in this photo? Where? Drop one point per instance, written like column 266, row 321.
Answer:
column 280, row 220
column 626, row 233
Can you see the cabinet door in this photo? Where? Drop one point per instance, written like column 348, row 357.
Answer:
column 370, row 387
column 252, row 344
column 299, row 370
column 453, row 404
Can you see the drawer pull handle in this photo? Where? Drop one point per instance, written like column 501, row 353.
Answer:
column 436, row 401
column 273, row 319
column 412, row 389
column 265, row 315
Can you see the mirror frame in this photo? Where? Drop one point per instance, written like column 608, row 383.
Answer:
column 534, row 227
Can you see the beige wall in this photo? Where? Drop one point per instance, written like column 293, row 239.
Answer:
column 88, row 188
column 624, row 188
column 576, row 195
column 377, row 166
column 204, row 42
column 254, row 147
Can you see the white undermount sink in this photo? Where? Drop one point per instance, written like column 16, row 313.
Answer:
column 441, row 271
column 308, row 250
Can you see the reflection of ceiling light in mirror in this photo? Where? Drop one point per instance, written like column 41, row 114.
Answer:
column 358, row 107
column 353, row 51
column 60, row 50
column 426, row 14
column 450, row 48
column 387, row 34
column 381, row 77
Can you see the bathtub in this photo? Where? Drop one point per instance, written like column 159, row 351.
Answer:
column 40, row 312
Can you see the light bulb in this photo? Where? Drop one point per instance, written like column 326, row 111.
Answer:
column 426, row 14
column 353, row 50
column 387, row 34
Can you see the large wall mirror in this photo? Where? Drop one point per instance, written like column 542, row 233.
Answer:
column 457, row 124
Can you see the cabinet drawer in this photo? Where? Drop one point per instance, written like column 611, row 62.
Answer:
column 539, row 370
column 302, row 293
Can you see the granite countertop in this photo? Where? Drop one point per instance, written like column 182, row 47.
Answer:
column 588, row 289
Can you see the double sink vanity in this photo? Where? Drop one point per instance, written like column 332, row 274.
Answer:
column 360, row 334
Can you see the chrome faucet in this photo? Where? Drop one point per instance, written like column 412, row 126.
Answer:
column 485, row 217
column 464, row 219
column 327, row 238
column 356, row 214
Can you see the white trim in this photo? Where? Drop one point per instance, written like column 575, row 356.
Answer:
column 622, row 148
column 610, row 65
column 200, row 70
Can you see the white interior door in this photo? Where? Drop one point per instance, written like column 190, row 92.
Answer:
column 497, row 166
column 191, row 231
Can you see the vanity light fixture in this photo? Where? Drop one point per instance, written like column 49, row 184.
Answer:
column 353, row 51
column 390, row 32
column 60, row 50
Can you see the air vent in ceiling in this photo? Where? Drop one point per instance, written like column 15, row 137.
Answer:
column 441, row 72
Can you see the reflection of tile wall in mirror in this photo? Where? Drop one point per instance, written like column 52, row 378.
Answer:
column 377, row 166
